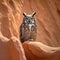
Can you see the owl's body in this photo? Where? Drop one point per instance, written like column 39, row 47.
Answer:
column 28, row 29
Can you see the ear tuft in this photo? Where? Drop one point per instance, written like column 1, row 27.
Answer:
column 33, row 14
column 24, row 14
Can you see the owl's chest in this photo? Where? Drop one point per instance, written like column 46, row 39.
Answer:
column 26, row 31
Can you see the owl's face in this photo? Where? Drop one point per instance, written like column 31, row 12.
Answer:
column 29, row 20
column 29, row 23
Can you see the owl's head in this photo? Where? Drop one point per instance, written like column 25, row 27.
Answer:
column 29, row 20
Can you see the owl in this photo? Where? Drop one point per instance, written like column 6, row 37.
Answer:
column 28, row 28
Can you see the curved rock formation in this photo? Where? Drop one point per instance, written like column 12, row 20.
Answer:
column 38, row 50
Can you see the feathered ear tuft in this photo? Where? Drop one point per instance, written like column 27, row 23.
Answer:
column 33, row 14
column 24, row 14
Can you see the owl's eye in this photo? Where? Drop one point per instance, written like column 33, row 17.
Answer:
column 31, row 18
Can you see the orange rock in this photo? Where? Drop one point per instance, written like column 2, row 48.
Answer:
column 38, row 50
column 11, row 49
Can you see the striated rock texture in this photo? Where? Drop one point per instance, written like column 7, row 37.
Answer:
column 48, row 35
column 10, row 20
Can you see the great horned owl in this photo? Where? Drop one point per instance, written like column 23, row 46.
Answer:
column 28, row 28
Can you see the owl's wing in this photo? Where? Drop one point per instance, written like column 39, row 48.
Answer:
column 21, row 29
